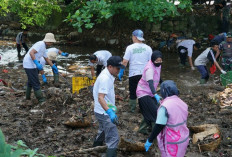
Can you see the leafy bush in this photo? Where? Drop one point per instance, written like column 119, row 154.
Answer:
column 7, row 150
column 97, row 11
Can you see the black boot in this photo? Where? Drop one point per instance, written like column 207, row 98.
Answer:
column 56, row 80
column 111, row 152
column 28, row 93
column 39, row 96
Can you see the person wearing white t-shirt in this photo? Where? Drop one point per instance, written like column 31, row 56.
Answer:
column 137, row 54
column 32, row 66
column 100, row 58
column 104, row 106
column 209, row 54
column 52, row 54
column 185, row 48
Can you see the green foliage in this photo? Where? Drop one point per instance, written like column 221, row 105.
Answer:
column 91, row 12
column 30, row 12
column 7, row 150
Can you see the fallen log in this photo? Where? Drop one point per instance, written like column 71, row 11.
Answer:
column 124, row 145
column 79, row 123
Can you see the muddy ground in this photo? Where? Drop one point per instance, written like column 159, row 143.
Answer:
column 42, row 126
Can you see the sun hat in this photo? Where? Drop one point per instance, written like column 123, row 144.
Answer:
column 52, row 55
column 49, row 37
column 139, row 34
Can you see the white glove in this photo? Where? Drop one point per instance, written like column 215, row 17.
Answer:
column 223, row 72
column 193, row 68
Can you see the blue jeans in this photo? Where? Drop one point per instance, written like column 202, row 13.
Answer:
column 204, row 72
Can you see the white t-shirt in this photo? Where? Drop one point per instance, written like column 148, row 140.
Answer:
column 40, row 47
column 105, row 85
column 202, row 59
column 102, row 56
column 138, row 55
column 42, row 60
column 189, row 45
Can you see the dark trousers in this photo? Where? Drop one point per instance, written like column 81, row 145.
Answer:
column 204, row 72
column 183, row 56
column 99, row 69
column 225, row 25
column 33, row 78
column 133, row 83
column 148, row 106
column 19, row 48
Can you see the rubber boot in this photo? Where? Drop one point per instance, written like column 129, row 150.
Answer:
column 28, row 93
column 56, row 80
column 39, row 96
column 132, row 103
column 202, row 81
column 143, row 128
column 111, row 152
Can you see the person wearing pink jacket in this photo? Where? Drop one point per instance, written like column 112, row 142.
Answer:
column 171, row 124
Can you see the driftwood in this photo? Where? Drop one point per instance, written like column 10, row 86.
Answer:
column 79, row 123
column 124, row 145
column 201, row 132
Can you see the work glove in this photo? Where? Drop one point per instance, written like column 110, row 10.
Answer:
column 157, row 97
column 54, row 68
column 64, row 54
column 193, row 68
column 44, row 78
column 223, row 72
column 147, row 145
column 38, row 65
column 120, row 74
column 113, row 116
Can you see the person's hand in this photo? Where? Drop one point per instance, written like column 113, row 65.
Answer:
column 64, row 54
column 193, row 68
column 90, row 76
column 157, row 97
column 223, row 72
column 44, row 78
column 147, row 145
column 54, row 68
column 38, row 65
column 113, row 116
column 120, row 74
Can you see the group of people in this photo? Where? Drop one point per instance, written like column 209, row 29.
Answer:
column 167, row 116
column 35, row 59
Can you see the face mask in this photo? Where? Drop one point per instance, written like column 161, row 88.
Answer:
column 157, row 64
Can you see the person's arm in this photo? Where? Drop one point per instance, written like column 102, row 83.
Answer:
column 48, row 61
column 102, row 101
column 32, row 54
column 59, row 52
column 92, row 71
column 191, row 62
column 151, row 85
column 125, row 62
column 217, row 54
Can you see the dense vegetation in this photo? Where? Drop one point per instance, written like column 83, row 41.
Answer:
column 87, row 13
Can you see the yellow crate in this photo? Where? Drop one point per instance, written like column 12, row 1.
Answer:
column 81, row 82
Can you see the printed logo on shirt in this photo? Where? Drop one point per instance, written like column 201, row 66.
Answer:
column 138, row 50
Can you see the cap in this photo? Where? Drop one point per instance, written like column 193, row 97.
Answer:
column 229, row 35
column 139, row 34
column 115, row 61
column 49, row 37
